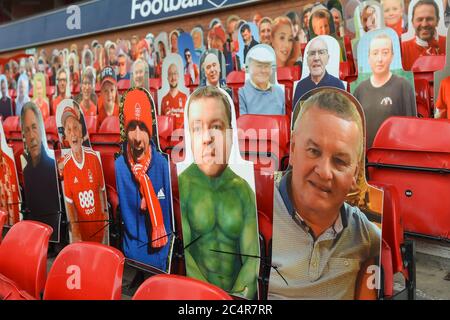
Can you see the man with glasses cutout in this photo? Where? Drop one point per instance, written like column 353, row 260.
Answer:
column 317, row 60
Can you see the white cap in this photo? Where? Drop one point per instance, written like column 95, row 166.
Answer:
column 261, row 54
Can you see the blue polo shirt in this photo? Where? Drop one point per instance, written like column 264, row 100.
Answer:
column 307, row 84
column 256, row 101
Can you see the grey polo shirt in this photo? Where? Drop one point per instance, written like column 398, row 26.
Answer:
column 322, row 268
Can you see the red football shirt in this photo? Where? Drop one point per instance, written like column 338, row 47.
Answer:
column 174, row 106
column 83, row 184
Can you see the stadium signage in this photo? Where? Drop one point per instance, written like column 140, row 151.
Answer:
column 93, row 17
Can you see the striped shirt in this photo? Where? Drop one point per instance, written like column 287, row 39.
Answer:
column 322, row 268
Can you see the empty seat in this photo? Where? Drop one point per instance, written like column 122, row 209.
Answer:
column 91, row 124
column 107, row 139
column 264, row 139
column 11, row 125
column 23, row 255
column 236, row 79
column 51, row 131
column 425, row 66
column 413, row 154
column 86, row 271
column 285, row 77
column 264, row 185
column 423, row 98
column 175, row 287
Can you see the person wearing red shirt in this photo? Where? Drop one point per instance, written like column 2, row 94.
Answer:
column 84, row 186
column 108, row 104
column 427, row 41
column 173, row 102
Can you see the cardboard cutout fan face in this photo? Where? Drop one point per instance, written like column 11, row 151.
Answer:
column 394, row 15
column 83, row 182
column 5, row 100
column 189, row 55
column 217, row 197
column 39, row 172
column 173, row 94
column 326, row 170
column 320, row 67
column 321, row 22
column 173, row 41
column 140, row 74
column 368, row 16
column 426, row 34
column 198, row 39
column 10, row 197
column 143, row 185
column 212, row 68
column 425, row 10
column 248, row 37
column 382, row 87
column 162, row 46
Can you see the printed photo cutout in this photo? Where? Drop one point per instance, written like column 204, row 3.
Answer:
column 321, row 22
column 10, row 197
column 213, row 69
column 368, row 16
column 173, row 41
column 287, row 49
column 351, row 253
column 383, row 88
column 190, row 57
column 421, row 41
column 173, row 93
column 62, row 88
column 140, row 75
column 162, row 46
column 320, row 67
column 40, row 94
column 82, row 174
column 23, row 87
column 248, row 37
column 261, row 93
column 87, row 59
column 442, row 88
column 349, row 7
column 198, row 39
column 6, row 109
column 217, row 197
column 87, row 99
column 143, row 184
column 42, row 199
column 394, row 14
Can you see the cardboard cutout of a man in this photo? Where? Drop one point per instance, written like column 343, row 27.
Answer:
column 143, row 185
column 384, row 94
column 173, row 102
column 317, row 58
column 84, row 185
column 320, row 242
column 427, row 41
column 39, row 171
column 218, row 208
column 261, row 94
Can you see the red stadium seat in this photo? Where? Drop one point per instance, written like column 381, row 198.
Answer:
column 236, row 79
column 110, row 124
column 424, row 68
column 286, row 78
column 107, row 142
column 165, row 130
column 423, row 98
column 123, row 85
column 108, row 159
column 3, row 216
column 413, row 155
column 91, row 124
column 11, row 125
column 175, row 287
column 10, row 291
column 264, row 139
column 86, row 271
column 264, row 184
column 51, row 131
column 397, row 253
column 155, row 83
column 347, row 69
column 23, row 255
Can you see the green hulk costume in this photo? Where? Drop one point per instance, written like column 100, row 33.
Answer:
column 222, row 212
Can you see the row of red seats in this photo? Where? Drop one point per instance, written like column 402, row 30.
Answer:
column 81, row 271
